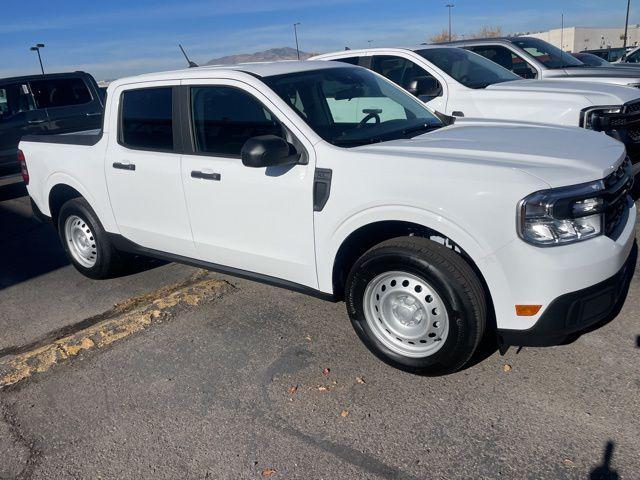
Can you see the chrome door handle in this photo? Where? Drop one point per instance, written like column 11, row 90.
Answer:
column 35, row 122
column 124, row 166
column 93, row 114
column 205, row 175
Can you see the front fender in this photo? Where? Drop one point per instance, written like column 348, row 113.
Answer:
column 476, row 248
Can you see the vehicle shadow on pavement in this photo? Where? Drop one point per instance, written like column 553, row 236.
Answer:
column 604, row 471
column 28, row 248
column 12, row 191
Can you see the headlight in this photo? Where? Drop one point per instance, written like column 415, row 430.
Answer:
column 562, row 215
column 591, row 118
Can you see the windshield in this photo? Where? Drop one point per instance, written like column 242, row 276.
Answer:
column 547, row 54
column 352, row 106
column 468, row 68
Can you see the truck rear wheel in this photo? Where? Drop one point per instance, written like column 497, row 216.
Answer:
column 417, row 305
column 85, row 241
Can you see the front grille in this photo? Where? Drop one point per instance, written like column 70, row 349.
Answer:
column 616, row 195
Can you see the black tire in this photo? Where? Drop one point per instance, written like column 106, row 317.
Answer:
column 453, row 279
column 108, row 263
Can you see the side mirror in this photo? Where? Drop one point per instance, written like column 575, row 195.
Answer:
column 268, row 151
column 425, row 87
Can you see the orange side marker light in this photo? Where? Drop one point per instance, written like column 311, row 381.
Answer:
column 527, row 310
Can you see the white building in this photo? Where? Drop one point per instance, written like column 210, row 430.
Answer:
column 576, row 39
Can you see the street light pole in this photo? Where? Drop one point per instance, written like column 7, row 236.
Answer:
column 37, row 49
column 450, row 6
column 626, row 28
column 295, row 32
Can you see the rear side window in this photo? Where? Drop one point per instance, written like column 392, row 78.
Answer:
column 349, row 60
column 224, row 118
column 146, row 119
column 62, row 92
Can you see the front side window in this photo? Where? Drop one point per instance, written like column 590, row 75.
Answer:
column 353, row 106
column 146, row 119
column 471, row 70
column 224, row 118
column 550, row 56
column 506, row 59
column 62, row 92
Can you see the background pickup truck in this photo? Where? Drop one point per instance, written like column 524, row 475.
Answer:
column 45, row 104
column 457, row 82
column 329, row 179
column 532, row 58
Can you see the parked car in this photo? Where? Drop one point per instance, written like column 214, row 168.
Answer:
column 609, row 54
column 44, row 104
column 534, row 58
column 459, row 82
column 328, row 179
column 595, row 61
column 632, row 57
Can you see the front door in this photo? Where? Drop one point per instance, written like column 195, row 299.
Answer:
column 143, row 171
column 257, row 220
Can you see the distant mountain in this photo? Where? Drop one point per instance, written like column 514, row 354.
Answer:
column 273, row 54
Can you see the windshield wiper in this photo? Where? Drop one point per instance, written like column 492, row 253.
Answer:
column 426, row 127
column 356, row 141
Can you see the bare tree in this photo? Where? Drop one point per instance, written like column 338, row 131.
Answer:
column 487, row 32
column 443, row 36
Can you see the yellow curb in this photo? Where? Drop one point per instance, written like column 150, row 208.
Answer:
column 126, row 318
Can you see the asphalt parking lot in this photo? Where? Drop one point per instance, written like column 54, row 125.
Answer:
column 199, row 376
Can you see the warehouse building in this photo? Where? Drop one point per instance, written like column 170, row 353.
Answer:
column 577, row 39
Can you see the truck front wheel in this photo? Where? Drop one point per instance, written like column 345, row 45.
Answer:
column 417, row 305
column 85, row 241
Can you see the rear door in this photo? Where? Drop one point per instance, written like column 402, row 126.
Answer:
column 71, row 103
column 143, row 170
column 18, row 117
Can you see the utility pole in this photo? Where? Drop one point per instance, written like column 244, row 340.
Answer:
column 37, row 49
column 295, row 32
column 450, row 6
column 562, row 32
column 626, row 28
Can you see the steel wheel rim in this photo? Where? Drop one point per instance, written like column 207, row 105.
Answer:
column 81, row 241
column 406, row 314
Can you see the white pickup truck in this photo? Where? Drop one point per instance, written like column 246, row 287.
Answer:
column 461, row 83
column 328, row 179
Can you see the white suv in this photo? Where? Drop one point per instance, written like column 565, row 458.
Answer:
column 328, row 179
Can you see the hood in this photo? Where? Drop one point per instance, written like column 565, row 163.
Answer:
column 559, row 156
column 596, row 93
column 596, row 74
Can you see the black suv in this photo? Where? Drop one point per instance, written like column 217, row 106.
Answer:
column 43, row 104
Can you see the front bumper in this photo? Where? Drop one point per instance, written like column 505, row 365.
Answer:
column 574, row 313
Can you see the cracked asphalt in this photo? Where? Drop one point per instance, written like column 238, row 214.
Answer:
column 233, row 388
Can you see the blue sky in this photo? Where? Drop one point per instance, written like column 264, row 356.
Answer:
column 113, row 38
